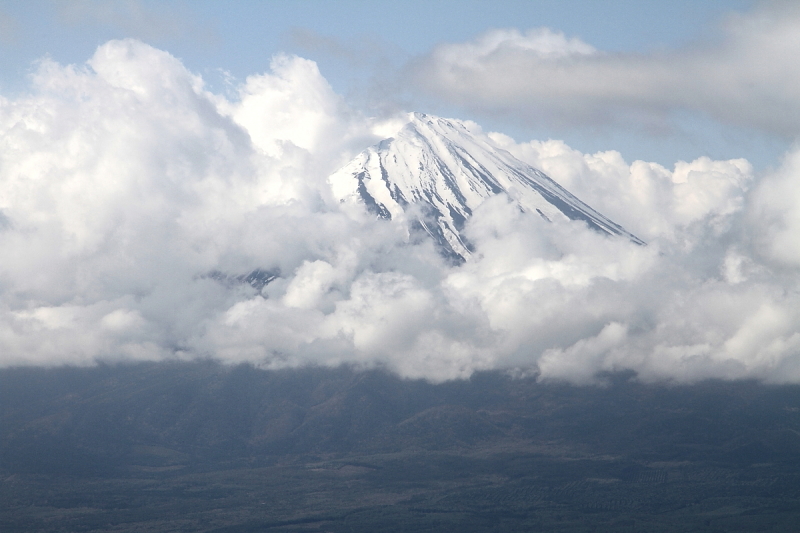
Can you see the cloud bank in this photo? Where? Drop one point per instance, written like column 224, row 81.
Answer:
column 746, row 78
column 134, row 201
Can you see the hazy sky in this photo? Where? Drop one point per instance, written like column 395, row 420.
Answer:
column 364, row 48
column 153, row 153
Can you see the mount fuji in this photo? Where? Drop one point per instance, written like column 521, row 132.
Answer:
column 435, row 172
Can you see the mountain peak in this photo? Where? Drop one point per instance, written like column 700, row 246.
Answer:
column 434, row 172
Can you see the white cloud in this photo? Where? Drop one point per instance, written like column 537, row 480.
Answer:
column 542, row 43
column 294, row 103
column 582, row 361
column 648, row 199
column 312, row 281
column 132, row 199
column 776, row 212
column 747, row 77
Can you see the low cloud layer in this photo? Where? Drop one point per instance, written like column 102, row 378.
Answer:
column 747, row 77
column 133, row 202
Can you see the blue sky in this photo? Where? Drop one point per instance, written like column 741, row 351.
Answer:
column 363, row 47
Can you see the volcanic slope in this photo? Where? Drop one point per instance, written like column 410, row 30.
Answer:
column 435, row 172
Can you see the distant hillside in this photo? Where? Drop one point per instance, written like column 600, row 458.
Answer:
column 213, row 448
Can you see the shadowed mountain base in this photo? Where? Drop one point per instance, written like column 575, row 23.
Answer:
column 201, row 447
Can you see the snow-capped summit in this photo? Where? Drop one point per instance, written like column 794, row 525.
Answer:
column 436, row 171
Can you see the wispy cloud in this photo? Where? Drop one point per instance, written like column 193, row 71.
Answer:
column 745, row 78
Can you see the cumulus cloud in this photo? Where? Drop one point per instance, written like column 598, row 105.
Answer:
column 135, row 205
column 775, row 215
column 746, row 78
column 650, row 200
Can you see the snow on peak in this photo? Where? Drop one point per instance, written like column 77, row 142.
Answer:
column 434, row 172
